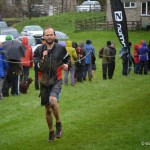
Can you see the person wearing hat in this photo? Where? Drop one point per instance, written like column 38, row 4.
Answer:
column 106, row 60
column 8, row 38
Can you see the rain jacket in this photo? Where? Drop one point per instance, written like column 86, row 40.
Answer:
column 59, row 56
column 27, row 60
column 81, row 53
column 106, row 53
column 3, row 64
column 141, row 43
column 143, row 52
column 136, row 53
column 71, row 51
column 88, row 48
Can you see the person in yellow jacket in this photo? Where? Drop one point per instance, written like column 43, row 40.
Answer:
column 73, row 55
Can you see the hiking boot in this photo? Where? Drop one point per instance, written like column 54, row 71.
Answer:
column 58, row 130
column 51, row 136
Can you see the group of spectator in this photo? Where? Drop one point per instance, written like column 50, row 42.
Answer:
column 140, row 60
column 141, row 56
column 82, row 60
column 12, row 71
column 83, row 63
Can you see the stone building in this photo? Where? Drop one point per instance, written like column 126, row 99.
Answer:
column 136, row 10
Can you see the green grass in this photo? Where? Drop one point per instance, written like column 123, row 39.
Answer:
column 111, row 114
column 98, row 115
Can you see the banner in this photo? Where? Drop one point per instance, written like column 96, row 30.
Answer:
column 120, row 22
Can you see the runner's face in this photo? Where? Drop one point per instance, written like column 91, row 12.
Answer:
column 49, row 36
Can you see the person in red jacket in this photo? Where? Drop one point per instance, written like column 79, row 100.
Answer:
column 27, row 61
column 136, row 59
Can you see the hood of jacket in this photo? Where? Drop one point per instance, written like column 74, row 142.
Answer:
column 81, row 44
column 136, row 46
column 143, row 44
column 25, row 40
column 68, row 44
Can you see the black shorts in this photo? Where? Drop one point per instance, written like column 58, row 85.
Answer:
column 54, row 91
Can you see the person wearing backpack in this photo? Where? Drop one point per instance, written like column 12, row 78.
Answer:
column 101, row 53
column 50, row 58
column 106, row 60
column 80, row 63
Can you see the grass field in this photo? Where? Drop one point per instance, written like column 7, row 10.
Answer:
column 97, row 115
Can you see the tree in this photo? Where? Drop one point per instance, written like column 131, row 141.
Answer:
column 31, row 5
column 1, row 6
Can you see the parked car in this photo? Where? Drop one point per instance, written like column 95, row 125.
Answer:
column 87, row 6
column 61, row 35
column 34, row 30
column 3, row 38
column 3, row 24
column 10, row 31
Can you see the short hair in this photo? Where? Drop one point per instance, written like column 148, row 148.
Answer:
column 108, row 43
column 129, row 44
column 48, row 28
column 88, row 42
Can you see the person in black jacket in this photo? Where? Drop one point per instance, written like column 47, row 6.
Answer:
column 127, row 60
column 112, row 60
column 50, row 58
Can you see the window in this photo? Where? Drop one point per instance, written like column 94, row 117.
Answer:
column 145, row 8
column 129, row 5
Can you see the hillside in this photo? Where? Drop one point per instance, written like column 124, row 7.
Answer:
column 63, row 22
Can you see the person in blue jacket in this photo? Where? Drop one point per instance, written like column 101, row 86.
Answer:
column 90, row 52
column 3, row 69
column 143, row 58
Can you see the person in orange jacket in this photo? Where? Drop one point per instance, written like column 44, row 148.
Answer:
column 27, row 61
